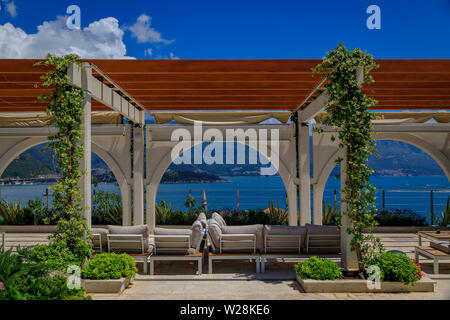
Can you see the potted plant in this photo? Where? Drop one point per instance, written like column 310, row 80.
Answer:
column 108, row 273
column 388, row 272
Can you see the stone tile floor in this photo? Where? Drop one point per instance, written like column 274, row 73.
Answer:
column 237, row 280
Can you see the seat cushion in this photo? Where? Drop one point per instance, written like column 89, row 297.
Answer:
column 214, row 232
column 257, row 229
column 197, row 234
column 443, row 246
column 103, row 235
column 219, row 219
column 277, row 229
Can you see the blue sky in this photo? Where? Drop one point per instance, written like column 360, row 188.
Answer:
column 248, row 29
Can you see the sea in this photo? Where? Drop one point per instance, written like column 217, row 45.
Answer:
column 406, row 192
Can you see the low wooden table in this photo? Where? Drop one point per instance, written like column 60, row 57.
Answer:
column 233, row 256
column 174, row 257
column 432, row 235
column 433, row 254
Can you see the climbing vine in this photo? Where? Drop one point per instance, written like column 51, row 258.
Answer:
column 64, row 105
column 348, row 111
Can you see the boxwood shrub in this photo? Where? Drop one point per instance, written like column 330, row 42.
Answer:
column 397, row 267
column 318, row 269
column 106, row 266
column 22, row 279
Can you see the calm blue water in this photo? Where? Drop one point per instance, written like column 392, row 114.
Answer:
column 255, row 192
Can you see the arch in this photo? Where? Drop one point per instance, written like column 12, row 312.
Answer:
column 319, row 183
column 27, row 143
column 154, row 180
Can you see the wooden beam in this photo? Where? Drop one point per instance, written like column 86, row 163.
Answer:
column 104, row 94
column 314, row 108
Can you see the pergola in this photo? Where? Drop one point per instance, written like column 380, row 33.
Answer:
column 224, row 94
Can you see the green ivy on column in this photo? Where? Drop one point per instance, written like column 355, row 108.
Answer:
column 64, row 105
column 348, row 111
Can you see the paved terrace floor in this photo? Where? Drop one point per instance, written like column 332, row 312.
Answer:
column 237, row 280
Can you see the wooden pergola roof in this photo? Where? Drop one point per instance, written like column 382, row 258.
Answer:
column 176, row 85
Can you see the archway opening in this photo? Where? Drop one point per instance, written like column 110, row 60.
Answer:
column 411, row 186
column 25, row 188
column 232, row 189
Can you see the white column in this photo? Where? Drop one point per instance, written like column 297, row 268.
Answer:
column 349, row 260
column 85, row 165
column 291, row 188
column 125, row 190
column 304, row 172
column 138, row 177
column 317, row 203
column 151, row 203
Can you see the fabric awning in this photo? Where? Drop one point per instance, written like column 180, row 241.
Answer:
column 26, row 120
column 401, row 117
column 220, row 118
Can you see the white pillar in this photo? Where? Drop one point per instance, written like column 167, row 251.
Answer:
column 349, row 260
column 125, row 190
column 138, row 177
column 304, row 172
column 85, row 165
column 291, row 188
column 151, row 203
column 318, row 190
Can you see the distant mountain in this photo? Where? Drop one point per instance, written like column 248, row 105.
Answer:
column 396, row 159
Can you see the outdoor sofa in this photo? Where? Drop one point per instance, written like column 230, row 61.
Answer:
column 171, row 244
column 233, row 242
column 262, row 242
column 133, row 240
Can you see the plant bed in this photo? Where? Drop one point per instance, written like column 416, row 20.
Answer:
column 360, row 286
column 106, row 286
column 108, row 273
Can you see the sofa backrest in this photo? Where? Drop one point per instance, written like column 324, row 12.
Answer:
column 281, row 239
column 257, row 229
column 322, row 239
column 130, row 239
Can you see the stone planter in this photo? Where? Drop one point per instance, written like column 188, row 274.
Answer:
column 360, row 286
column 106, row 286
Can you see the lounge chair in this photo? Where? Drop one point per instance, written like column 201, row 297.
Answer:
column 172, row 244
column 133, row 240
column 233, row 242
column 282, row 242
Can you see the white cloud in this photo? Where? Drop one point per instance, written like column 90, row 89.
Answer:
column 148, row 52
column 171, row 56
column 102, row 39
column 11, row 8
column 144, row 33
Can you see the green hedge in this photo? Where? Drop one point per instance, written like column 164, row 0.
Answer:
column 110, row 266
column 318, row 269
column 397, row 267
column 24, row 279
